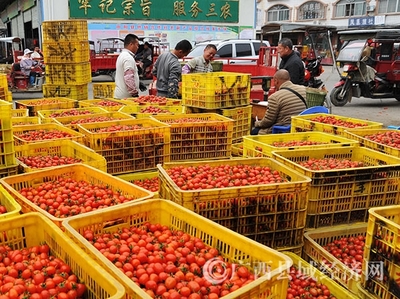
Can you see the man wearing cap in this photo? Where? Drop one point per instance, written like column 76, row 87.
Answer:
column 28, row 65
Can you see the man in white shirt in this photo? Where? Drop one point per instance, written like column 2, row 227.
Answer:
column 201, row 64
column 36, row 55
column 126, row 75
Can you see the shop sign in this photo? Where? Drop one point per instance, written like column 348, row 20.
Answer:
column 366, row 21
column 219, row 11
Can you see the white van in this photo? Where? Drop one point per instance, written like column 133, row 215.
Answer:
column 232, row 48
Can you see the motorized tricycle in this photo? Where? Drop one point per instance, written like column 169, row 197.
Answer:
column 371, row 65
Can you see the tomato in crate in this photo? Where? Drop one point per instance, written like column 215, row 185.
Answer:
column 346, row 182
column 48, row 103
column 77, row 180
column 129, row 145
column 223, row 249
column 259, row 197
column 331, row 248
column 329, row 123
column 40, row 243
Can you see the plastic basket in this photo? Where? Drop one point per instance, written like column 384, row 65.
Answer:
column 273, row 215
column 361, row 137
column 26, row 120
column 208, row 139
column 215, row 90
column 34, row 229
column 263, row 145
column 232, row 246
column 314, row 241
column 14, row 184
column 68, row 73
column 304, row 123
column 107, row 104
column 340, row 196
column 137, row 110
column 5, row 115
column 46, row 115
column 22, row 112
column 382, row 246
column 103, row 90
column 129, row 150
column 34, row 105
column 315, row 97
column 140, row 176
column 66, row 52
column 71, row 121
column 49, row 127
column 12, row 207
column 76, row 92
column 66, row 148
column 241, row 121
column 336, row 289
column 237, row 149
column 65, row 30
column 8, row 171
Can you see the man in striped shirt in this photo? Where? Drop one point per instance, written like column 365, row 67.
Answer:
column 201, row 64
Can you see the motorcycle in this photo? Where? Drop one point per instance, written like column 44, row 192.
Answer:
column 313, row 69
column 374, row 75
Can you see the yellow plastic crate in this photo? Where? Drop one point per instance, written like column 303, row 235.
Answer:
column 314, row 241
column 263, row 145
column 142, row 100
column 72, row 121
column 129, row 150
column 68, row 73
column 237, row 149
column 315, row 97
column 22, row 112
column 34, row 229
column 272, row 214
column 17, row 131
column 65, row 30
column 140, row 176
column 304, row 123
column 365, row 294
column 336, row 289
column 5, row 116
column 360, row 136
column 14, row 184
column 46, row 115
column 34, row 105
column 216, row 90
column 136, row 110
column 12, row 207
column 382, row 245
column 232, row 246
column 107, row 104
column 210, row 138
column 103, row 90
column 66, row 148
column 241, row 121
column 75, row 92
column 26, row 120
column 74, row 51
column 340, row 196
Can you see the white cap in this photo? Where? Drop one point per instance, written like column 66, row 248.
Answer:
column 27, row 51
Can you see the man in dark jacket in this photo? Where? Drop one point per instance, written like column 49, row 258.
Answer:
column 291, row 61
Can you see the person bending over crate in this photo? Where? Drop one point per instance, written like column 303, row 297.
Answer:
column 288, row 101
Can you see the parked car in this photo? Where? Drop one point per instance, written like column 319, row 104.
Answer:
column 229, row 49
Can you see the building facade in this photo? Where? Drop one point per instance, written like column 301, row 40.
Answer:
column 171, row 20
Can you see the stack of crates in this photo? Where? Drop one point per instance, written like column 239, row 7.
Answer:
column 224, row 93
column 67, row 59
column 5, row 93
column 8, row 162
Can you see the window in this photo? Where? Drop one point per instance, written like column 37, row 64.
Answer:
column 386, row 6
column 348, row 8
column 243, row 50
column 278, row 13
column 311, row 10
column 225, row 51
